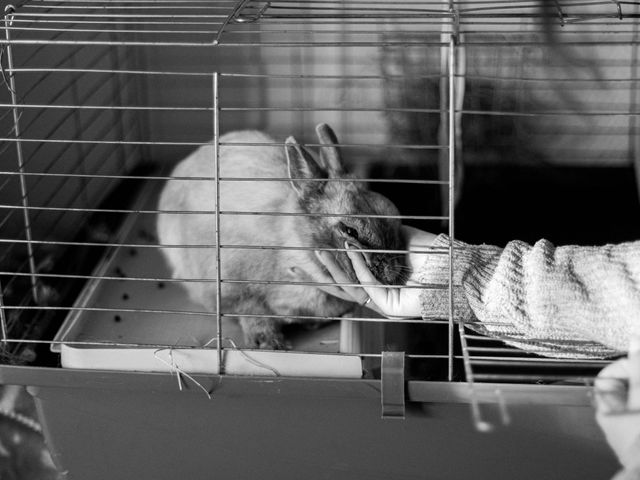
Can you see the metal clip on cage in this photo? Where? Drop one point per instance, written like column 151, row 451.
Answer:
column 101, row 99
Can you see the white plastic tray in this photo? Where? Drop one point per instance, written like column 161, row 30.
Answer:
column 123, row 324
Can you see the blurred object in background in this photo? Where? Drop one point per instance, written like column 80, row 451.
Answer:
column 23, row 453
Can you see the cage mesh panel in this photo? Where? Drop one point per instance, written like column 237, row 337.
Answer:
column 103, row 87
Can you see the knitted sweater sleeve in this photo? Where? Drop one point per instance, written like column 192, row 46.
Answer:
column 559, row 301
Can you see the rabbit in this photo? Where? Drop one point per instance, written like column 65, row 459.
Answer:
column 306, row 188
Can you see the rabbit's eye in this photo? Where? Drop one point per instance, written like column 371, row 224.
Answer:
column 350, row 231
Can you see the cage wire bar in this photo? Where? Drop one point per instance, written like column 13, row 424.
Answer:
column 216, row 163
column 9, row 13
column 451, row 76
column 353, row 12
column 19, row 142
column 41, row 295
column 249, row 23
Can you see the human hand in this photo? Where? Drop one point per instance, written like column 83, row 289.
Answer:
column 617, row 393
column 391, row 301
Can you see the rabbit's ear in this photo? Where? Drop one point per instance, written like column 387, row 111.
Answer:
column 302, row 166
column 329, row 153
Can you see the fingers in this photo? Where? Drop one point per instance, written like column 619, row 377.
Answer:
column 366, row 294
column 352, row 294
column 320, row 277
column 387, row 300
column 332, row 289
column 337, row 275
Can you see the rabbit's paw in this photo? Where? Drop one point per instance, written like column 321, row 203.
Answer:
column 263, row 334
column 266, row 341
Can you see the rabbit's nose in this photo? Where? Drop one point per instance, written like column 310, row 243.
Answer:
column 389, row 270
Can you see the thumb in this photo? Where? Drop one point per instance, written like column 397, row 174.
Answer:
column 365, row 277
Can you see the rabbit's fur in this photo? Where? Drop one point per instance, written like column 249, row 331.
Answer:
column 293, row 163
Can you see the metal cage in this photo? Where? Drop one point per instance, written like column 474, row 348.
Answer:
column 100, row 98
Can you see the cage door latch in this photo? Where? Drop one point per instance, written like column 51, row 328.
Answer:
column 392, row 385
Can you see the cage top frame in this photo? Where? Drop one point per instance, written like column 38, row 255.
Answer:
column 238, row 22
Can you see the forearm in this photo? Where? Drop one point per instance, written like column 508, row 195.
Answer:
column 565, row 294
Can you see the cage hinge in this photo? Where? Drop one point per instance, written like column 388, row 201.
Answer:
column 455, row 25
column 619, row 8
column 392, row 379
column 253, row 16
column 239, row 15
column 560, row 13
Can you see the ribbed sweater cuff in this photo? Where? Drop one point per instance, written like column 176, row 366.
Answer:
column 435, row 300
